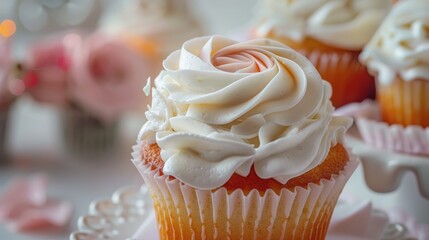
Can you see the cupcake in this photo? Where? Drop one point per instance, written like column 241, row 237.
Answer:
column 94, row 81
column 153, row 28
column 5, row 95
column 105, row 84
column 329, row 33
column 398, row 55
column 240, row 143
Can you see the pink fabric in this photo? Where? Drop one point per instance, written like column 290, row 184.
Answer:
column 108, row 77
column 25, row 206
column 47, row 78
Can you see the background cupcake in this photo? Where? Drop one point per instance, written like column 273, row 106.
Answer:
column 107, row 81
column 398, row 55
column 93, row 80
column 240, row 142
column 331, row 34
column 153, row 28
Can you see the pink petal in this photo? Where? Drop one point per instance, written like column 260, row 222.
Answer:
column 52, row 215
column 21, row 193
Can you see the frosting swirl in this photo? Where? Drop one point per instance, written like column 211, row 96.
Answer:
column 221, row 106
column 401, row 45
column 347, row 24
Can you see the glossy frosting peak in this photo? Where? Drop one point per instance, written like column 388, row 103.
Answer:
column 401, row 45
column 221, row 106
column 347, row 24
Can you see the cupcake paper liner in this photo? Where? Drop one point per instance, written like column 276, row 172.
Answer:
column 350, row 79
column 85, row 135
column 411, row 139
column 184, row 212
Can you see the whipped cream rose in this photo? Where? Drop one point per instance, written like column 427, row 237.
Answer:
column 401, row 45
column 347, row 24
column 221, row 106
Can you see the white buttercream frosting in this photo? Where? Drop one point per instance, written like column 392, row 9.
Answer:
column 401, row 45
column 347, row 24
column 167, row 23
column 222, row 106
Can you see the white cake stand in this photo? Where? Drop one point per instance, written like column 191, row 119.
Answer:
column 392, row 179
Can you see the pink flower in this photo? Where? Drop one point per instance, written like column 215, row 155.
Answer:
column 108, row 77
column 25, row 205
column 47, row 78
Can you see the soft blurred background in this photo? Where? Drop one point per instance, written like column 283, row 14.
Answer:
column 51, row 111
column 72, row 74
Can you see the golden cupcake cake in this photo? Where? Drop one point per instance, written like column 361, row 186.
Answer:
column 331, row 34
column 398, row 55
column 240, row 143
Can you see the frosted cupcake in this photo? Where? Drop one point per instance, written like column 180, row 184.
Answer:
column 241, row 143
column 153, row 28
column 398, row 55
column 105, row 84
column 331, row 34
column 94, row 80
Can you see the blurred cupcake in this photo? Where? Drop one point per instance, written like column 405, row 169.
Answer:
column 398, row 55
column 5, row 96
column 240, row 143
column 94, row 80
column 106, row 82
column 153, row 28
column 329, row 33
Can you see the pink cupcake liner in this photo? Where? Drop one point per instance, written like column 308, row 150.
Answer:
column 186, row 212
column 395, row 137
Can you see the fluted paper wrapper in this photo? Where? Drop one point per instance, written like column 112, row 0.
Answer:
column 350, row 80
column 395, row 137
column 184, row 212
column 85, row 135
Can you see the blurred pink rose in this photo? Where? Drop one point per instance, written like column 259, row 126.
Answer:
column 108, row 77
column 47, row 77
